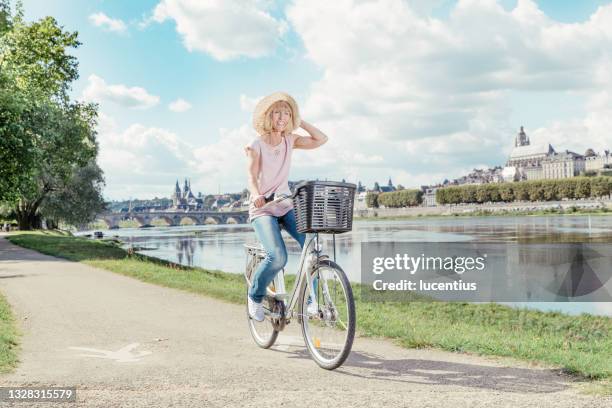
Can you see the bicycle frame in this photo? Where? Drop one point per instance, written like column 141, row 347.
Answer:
column 308, row 258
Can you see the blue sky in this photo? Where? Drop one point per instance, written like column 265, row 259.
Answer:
column 416, row 90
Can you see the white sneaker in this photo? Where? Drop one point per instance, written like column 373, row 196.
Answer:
column 312, row 308
column 256, row 310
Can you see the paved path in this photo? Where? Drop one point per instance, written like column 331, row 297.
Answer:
column 160, row 347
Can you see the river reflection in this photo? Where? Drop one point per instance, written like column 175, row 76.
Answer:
column 221, row 246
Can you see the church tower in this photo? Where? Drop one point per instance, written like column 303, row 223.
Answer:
column 176, row 196
column 186, row 189
column 521, row 139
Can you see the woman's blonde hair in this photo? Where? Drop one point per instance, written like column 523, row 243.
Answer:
column 267, row 123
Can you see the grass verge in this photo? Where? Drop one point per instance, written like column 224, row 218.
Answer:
column 580, row 345
column 8, row 338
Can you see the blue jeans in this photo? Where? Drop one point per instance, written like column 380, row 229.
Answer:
column 268, row 231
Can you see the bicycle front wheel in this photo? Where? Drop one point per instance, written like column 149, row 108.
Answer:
column 328, row 316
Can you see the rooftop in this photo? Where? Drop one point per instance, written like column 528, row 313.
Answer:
column 520, row 152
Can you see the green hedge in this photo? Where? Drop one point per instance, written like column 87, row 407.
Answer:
column 372, row 200
column 534, row 190
column 401, row 198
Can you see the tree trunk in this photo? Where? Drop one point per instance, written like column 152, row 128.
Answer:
column 26, row 215
column 51, row 224
column 28, row 221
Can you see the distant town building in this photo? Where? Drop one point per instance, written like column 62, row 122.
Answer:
column 384, row 189
column 185, row 200
column 530, row 162
column 563, row 165
column 478, row 176
column 429, row 196
column 597, row 162
column 360, row 200
column 510, row 173
column 531, row 172
column 527, row 158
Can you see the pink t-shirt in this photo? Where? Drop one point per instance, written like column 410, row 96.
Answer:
column 273, row 177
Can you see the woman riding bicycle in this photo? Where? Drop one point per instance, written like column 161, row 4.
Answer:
column 269, row 158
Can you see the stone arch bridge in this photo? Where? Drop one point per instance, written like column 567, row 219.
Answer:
column 174, row 218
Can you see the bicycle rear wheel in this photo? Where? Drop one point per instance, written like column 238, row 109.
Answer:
column 329, row 332
column 262, row 332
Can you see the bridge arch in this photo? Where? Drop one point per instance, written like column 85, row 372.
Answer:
column 174, row 218
column 232, row 220
column 195, row 219
column 142, row 221
column 209, row 219
column 168, row 220
column 109, row 222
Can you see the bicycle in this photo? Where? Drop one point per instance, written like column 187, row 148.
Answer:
column 322, row 298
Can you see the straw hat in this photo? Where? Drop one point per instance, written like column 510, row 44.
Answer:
column 259, row 114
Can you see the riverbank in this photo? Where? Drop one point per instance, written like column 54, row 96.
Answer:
column 580, row 345
column 414, row 212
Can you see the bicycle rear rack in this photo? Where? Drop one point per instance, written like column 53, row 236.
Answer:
column 255, row 254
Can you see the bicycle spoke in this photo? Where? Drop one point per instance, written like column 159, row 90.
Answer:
column 329, row 334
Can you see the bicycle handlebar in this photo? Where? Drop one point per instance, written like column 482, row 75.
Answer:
column 278, row 199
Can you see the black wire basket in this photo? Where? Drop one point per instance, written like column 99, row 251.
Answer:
column 324, row 206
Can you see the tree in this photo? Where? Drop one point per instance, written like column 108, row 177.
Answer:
column 35, row 55
column 51, row 136
column 398, row 199
column 5, row 16
column 550, row 190
column 482, row 193
column 468, row 193
column 600, row 187
column 65, row 141
column 567, row 188
column 583, row 188
column 209, row 201
column 372, row 200
column 16, row 144
column 79, row 200
column 535, row 190
column 506, row 193
column 520, row 190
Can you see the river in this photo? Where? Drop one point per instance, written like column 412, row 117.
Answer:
column 221, row 246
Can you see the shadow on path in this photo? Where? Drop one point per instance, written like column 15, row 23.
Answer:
column 435, row 372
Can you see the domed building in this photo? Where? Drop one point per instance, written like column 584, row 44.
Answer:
column 526, row 159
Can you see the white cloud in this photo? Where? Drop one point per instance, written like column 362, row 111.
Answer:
column 111, row 24
column 141, row 161
column 225, row 29
column 179, row 105
column 430, row 94
column 223, row 162
column 132, row 97
column 247, row 104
